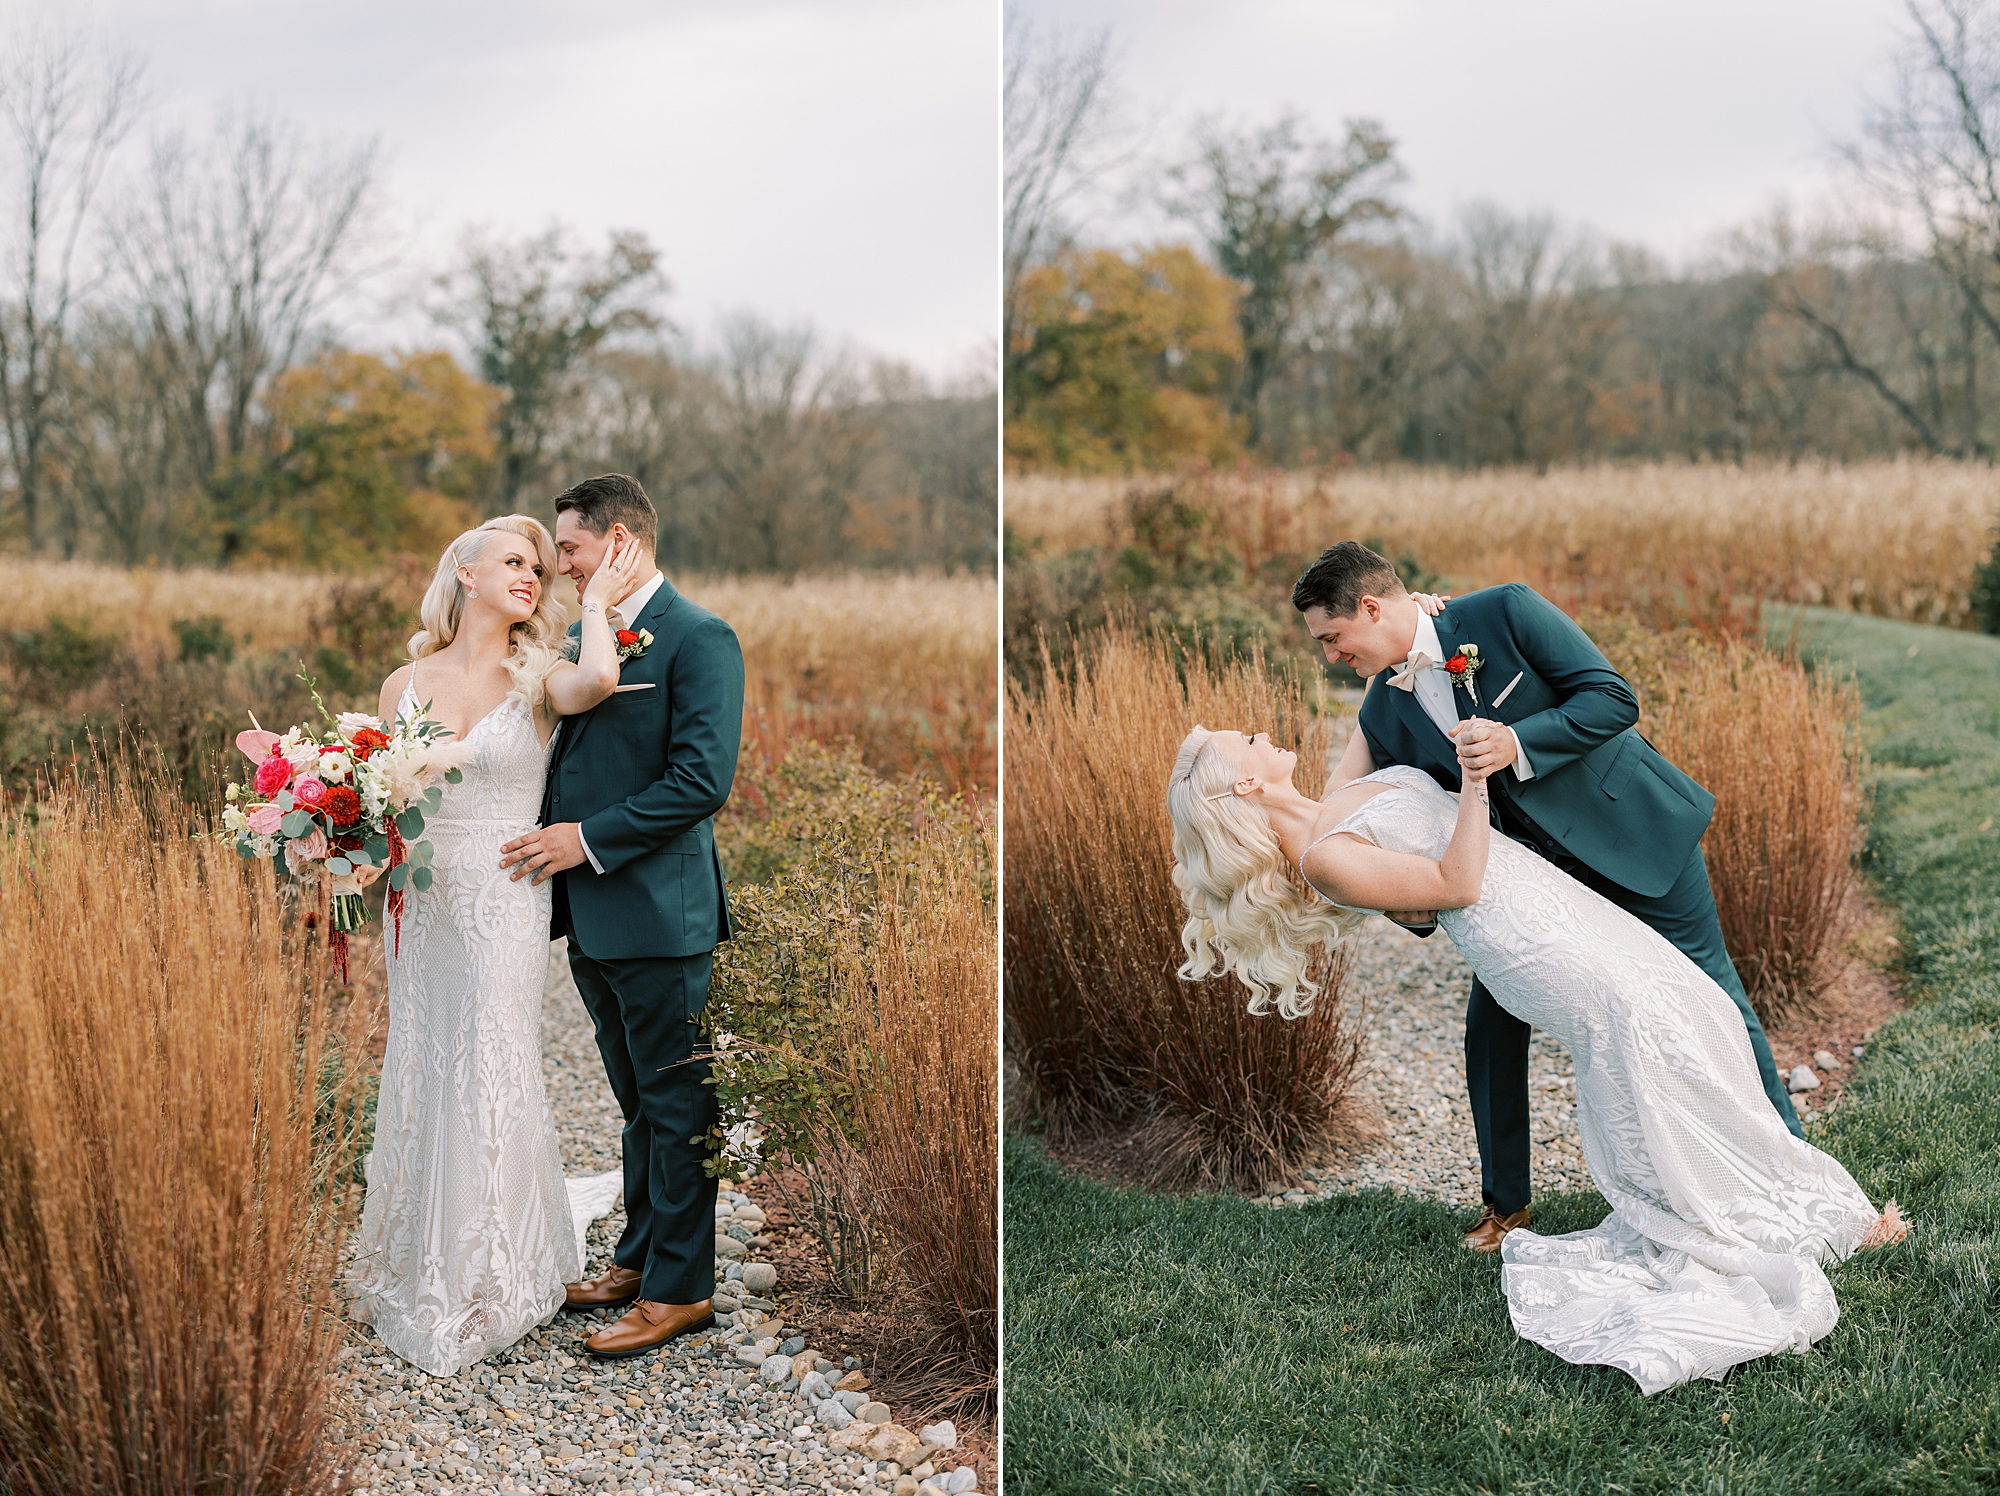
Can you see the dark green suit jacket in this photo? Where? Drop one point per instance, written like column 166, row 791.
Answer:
column 644, row 772
column 1600, row 790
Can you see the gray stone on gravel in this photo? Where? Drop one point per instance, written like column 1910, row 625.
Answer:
column 793, row 1346
column 759, row 1277
column 1826, row 1060
column 1802, row 1079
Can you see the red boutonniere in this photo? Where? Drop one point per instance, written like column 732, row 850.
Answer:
column 1463, row 666
column 631, row 645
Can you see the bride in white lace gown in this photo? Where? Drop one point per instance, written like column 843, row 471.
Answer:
column 1721, row 1221
column 467, row 1231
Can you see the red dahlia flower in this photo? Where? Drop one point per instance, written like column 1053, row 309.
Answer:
column 626, row 638
column 367, row 741
column 342, row 805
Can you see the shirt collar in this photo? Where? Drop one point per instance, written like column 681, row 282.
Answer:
column 1427, row 637
column 633, row 606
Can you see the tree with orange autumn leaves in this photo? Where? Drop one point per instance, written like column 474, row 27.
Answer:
column 1124, row 361
column 368, row 456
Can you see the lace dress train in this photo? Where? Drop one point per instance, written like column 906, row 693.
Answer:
column 1721, row 1221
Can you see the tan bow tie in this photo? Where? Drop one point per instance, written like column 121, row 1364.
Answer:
column 1405, row 678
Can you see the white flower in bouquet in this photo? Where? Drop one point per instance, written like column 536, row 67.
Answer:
column 349, row 723
column 300, row 751
column 332, row 766
column 408, row 767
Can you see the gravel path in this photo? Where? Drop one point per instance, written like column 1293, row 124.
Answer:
column 705, row 1414
column 1413, row 1081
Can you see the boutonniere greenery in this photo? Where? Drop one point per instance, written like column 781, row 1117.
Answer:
column 1462, row 666
column 631, row 645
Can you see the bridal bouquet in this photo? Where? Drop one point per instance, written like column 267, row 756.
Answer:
column 348, row 801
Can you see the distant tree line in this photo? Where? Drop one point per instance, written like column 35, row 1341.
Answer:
column 1308, row 318
column 175, row 387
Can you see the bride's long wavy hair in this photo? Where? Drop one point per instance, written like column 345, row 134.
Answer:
column 1249, row 913
column 536, row 643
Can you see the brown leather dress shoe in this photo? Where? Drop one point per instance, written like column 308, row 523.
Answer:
column 1490, row 1227
column 646, row 1325
column 609, row 1289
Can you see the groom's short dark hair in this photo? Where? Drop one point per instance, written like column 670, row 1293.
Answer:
column 1343, row 575
column 612, row 499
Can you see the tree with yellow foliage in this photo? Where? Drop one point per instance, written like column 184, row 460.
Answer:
column 367, row 456
column 1124, row 362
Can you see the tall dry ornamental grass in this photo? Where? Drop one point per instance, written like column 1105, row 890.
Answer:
column 927, row 1018
column 175, row 1141
column 1897, row 539
column 1780, row 750
column 1099, row 1023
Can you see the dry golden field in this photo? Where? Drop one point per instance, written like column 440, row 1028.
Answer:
column 1898, row 539
column 906, row 666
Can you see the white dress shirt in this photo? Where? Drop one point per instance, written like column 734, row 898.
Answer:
column 1434, row 690
column 617, row 617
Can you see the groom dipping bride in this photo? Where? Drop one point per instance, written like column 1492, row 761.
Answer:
column 1588, row 916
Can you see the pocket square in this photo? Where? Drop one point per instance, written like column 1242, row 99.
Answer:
column 644, row 685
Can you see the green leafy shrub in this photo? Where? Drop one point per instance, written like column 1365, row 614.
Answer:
column 810, row 845
column 1986, row 590
column 52, row 661
column 204, row 638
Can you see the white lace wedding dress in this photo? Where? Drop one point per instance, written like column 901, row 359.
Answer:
column 469, row 1231
column 1720, row 1219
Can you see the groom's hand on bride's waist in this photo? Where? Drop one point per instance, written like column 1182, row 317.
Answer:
column 550, row 850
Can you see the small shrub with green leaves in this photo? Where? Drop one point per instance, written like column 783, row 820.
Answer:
column 808, row 844
column 54, row 660
column 204, row 638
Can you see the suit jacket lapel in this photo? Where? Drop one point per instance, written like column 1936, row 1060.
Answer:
column 1449, row 628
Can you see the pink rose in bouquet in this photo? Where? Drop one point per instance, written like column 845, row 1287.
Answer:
column 273, row 775
column 302, row 851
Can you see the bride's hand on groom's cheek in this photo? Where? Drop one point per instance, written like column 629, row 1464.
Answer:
column 551, row 850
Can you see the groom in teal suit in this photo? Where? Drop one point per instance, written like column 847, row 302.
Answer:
column 628, row 835
column 1572, row 780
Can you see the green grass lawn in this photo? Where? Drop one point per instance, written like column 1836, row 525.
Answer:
column 1198, row 1344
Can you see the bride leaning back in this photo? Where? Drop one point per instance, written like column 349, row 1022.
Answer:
column 467, row 1236
column 1721, row 1221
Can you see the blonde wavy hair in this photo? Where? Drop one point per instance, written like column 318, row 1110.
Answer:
column 536, row 643
column 1249, row 912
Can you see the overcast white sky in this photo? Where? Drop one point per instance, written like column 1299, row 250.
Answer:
column 1657, row 121
column 831, row 160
